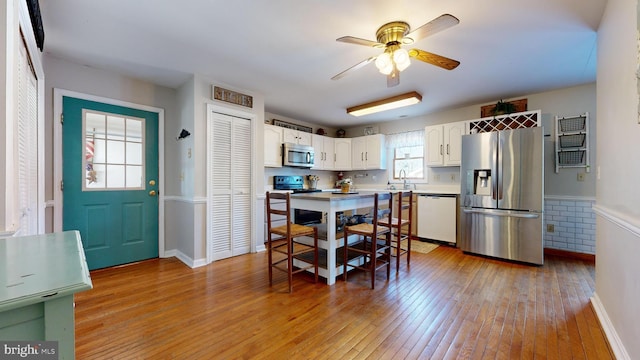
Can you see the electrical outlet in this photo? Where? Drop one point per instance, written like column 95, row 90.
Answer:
column 550, row 228
column 436, row 177
column 581, row 176
column 453, row 177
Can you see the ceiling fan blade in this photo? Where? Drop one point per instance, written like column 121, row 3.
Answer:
column 434, row 59
column 354, row 67
column 438, row 24
column 359, row 41
column 393, row 79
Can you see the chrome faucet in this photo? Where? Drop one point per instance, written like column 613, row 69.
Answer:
column 403, row 177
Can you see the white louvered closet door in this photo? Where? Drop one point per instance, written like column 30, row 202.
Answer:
column 229, row 186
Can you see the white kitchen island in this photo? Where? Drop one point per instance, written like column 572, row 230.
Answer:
column 331, row 203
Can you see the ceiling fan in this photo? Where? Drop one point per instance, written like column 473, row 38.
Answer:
column 394, row 59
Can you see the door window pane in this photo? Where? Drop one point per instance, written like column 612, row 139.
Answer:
column 115, row 152
column 115, row 128
column 115, row 176
column 113, row 155
column 134, row 154
column 134, row 176
column 134, row 130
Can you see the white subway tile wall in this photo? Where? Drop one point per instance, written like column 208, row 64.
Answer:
column 574, row 224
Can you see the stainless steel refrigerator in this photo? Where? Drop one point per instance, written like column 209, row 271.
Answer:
column 502, row 187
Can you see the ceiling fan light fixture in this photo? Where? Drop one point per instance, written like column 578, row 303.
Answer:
column 401, row 58
column 384, row 63
column 394, row 102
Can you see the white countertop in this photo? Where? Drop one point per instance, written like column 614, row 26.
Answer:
column 433, row 189
column 429, row 189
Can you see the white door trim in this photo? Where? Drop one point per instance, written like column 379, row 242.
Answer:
column 58, row 94
column 211, row 108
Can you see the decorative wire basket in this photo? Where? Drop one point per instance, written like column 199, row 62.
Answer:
column 571, row 157
column 571, row 141
column 572, row 124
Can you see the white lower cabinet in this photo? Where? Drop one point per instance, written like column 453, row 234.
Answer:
column 437, row 217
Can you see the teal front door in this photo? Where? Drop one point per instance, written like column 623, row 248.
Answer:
column 110, row 180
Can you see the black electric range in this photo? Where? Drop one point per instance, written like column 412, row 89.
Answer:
column 294, row 183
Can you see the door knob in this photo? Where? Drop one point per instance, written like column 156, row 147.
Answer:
column 152, row 193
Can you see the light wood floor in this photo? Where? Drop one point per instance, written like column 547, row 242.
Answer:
column 448, row 305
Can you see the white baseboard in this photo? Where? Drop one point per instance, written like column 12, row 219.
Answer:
column 169, row 253
column 185, row 259
column 199, row 262
column 610, row 332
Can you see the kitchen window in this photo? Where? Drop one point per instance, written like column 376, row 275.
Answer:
column 407, row 153
column 411, row 160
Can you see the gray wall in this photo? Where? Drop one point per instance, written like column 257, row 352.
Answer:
column 562, row 102
column 83, row 79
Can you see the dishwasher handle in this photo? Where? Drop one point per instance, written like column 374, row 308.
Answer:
column 437, row 196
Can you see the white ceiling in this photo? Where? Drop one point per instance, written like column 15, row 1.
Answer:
column 286, row 49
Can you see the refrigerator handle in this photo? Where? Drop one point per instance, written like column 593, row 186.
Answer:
column 494, row 173
column 492, row 212
column 500, row 166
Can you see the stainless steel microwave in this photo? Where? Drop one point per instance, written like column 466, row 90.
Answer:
column 297, row 155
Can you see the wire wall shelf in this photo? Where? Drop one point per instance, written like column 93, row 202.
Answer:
column 572, row 142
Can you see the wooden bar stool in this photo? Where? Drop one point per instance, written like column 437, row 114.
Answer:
column 287, row 245
column 372, row 250
column 401, row 227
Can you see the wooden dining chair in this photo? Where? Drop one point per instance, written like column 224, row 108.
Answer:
column 289, row 241
column 372, row 248
column 401, row 227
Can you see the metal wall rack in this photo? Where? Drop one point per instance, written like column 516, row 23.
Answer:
column 572, row 142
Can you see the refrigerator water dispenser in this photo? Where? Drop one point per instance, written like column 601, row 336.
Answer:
column 482, row 182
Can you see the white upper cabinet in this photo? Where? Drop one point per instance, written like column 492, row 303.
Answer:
column 342, row 154
column 324, row 152
column 444, row 144
column 272, row 146
column 297, row 137
column 368, row 152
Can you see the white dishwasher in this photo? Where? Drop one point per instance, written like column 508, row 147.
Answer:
column 437, row 217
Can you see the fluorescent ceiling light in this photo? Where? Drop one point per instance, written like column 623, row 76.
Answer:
column 385, row 104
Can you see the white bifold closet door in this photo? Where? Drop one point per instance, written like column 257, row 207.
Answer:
column 228, row 186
